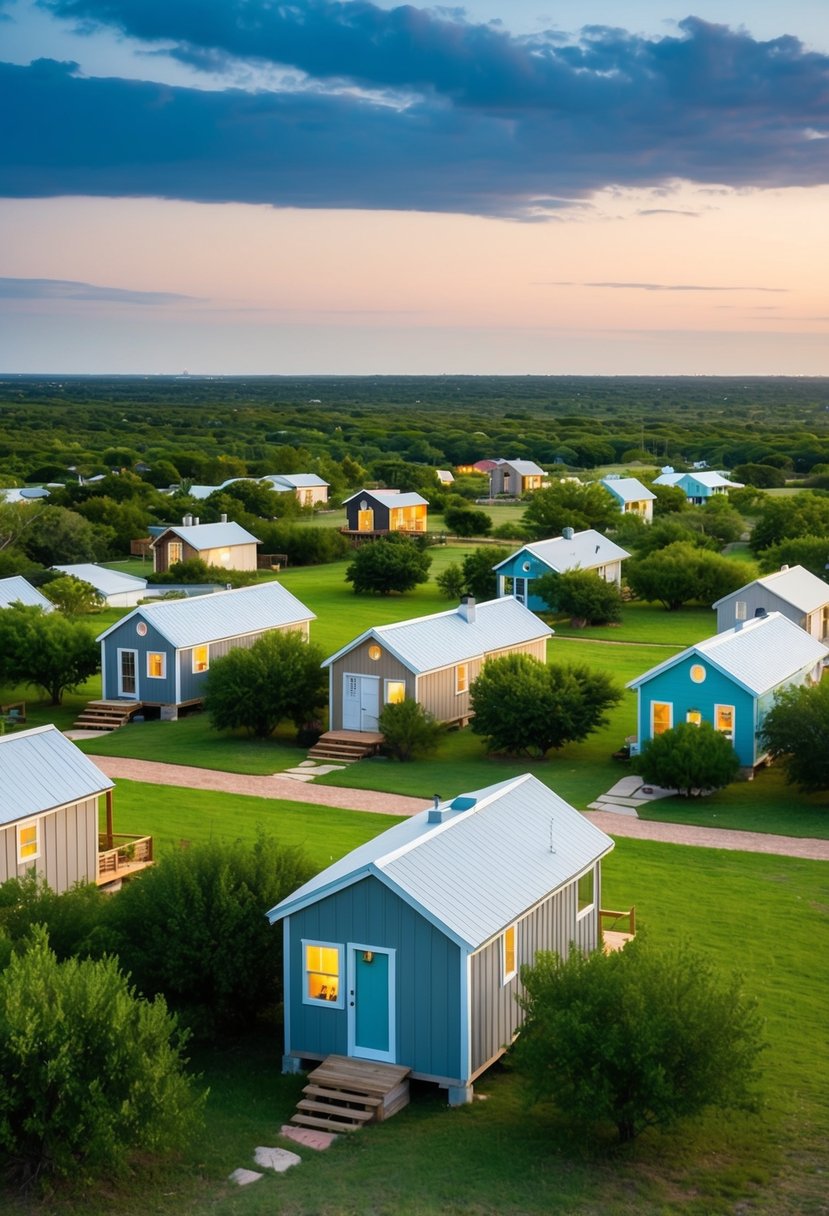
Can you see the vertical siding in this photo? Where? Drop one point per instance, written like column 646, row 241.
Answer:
column 755, row 596
column 357, row 662
column 675, row 686
column 125, row 637
column 68, row 847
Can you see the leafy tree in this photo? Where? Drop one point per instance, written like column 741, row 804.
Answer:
column 73, row 919
column 523, row 706
column 668, row 530
column 588, row 599
column 670, row 500
column 59, row 537
column 569, row 504
column 680, row 573
column 46, row 649
column 761, row 475
column 638, row 1037
column 451, row 582
column 479, row 578
column 89, row 1070
column 72, row 595
column 689, row 759
column 811, row 552
column 409, row 731
column 255, row 688
column 393, row 563
column 466, row 521
column 193, row 927
column 803, row 514
column 796, row 730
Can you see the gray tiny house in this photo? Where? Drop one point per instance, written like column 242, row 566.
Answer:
column 792, row 591
column 408, row 950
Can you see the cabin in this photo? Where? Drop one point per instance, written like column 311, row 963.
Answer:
column 445, row 476
column 18, row 590
column 631, row 496
column 793, row 591
column 225, row 545
column 729, row 680
column 49, row 815
column 308, row 489
column 408, row 950
column 431, row 659
column 160, row 653
column 516, row 477
column 115, row 589
column 587, row 550
column 378, row 512
column 698, row 486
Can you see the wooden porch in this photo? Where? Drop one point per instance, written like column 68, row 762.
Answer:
column 616, row 937
column 120, row 854
column 343, row 1094
column 107, row 715
column 346, row 746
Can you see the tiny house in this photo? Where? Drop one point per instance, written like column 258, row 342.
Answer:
column 409, row 949
column 384, row 511
column 308, row 489
column 516, row 477
column 698, row 486
column 631, row 496
column 117, row 590
column 794, row 592
column 587, row 550
column 18, row 590
column 226, row 545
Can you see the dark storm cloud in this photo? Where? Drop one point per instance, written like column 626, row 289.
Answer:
column 67, row 289
column 463, row 117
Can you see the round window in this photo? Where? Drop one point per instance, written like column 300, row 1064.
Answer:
column 698, row 673
column 141, row 629
column 526, row 566
column 374, row 652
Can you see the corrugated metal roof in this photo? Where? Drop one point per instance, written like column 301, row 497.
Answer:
column 527, row 468
column 713, row 480
column 797, row 586
column 478, row 870
column 627, row 489
column 213, row 536
column 108, row 582
column 430, row 642
column 226, row 614
column 668, row 479
column 296, row 481
column 41, row 769
column 17, row 589
column 582, row 551
column 759, row 656
column 390, row 498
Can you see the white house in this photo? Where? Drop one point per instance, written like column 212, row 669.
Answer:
column 117, row 590
column 17, row 590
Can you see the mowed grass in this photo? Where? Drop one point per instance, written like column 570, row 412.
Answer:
column 650, row 624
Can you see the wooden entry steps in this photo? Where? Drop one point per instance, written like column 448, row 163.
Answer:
column 106, row 715
column 343, row 1094
column 346, row 746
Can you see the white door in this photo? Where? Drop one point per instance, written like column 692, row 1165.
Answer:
column 128, row 674
column 361, row 702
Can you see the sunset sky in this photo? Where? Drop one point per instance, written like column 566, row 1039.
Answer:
column 338, row 186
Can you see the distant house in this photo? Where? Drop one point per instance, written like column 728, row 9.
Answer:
column 408, row 950
column 49, row 814
column 117, row 590
column 697, row 487
column 17, row 590
column 794, row 592
column 445, row 477
column 516, row 477
column 226, row 545
column 587, row 550
column 160, row 653
column 729, row 680
column 380, row 511
column 431, row 659
column 631, row 496
column 308, row 488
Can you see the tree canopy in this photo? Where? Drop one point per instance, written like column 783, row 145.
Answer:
column 255, row 688
column 796, row 732
column 689, row 758
column 46, row 649
column 681, row 573
column 583, row 595
column 392, row 563
column 568, row 504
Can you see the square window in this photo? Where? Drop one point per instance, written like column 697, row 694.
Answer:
column 509, row 964
column 461, row 677
column 201, row 658
column 395, row 692
column 28, row 841
column 322, row 967
column 156, row 664
column 586, row 892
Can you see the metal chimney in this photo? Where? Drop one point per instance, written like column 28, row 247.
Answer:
column 223, row 518
column 567, row 533
column 467, row 608
column 436, row 813
column 740, row 610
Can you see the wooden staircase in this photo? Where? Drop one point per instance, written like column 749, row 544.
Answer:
column 346, row 746
column 106, row 715
column 343, row 1094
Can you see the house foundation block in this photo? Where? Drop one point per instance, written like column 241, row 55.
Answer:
column 459, row 1095
column 291, row 1064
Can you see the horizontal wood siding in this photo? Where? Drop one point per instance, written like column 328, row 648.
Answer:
column 68, row 841
column 676, row 687
column 427, row 969
column 357, row 662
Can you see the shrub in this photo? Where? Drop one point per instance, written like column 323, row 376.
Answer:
column 255, row 688
column 409, row 731
column 466, row 521
column 681, row 573
column 689, row 759
column 796, row 730
column 73, row 920
column 393, row 563
column 585, row 597
column 46, row 649
column 451, row 582
column 73, row 595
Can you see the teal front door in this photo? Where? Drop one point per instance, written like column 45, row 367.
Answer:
column 371, row 1003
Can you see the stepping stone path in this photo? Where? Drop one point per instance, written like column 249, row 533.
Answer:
column 628, row 794
column 282, row 1159
column 307, row 1136
column 307, row 770
column 279, row 1159
column 244, row 1177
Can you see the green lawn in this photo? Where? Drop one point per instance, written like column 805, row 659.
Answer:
column 648, row 623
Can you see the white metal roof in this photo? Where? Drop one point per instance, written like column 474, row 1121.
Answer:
column 226, row 614
column 581, row 551
column 16, row 589
column 668, row 479
column 627, row 489
column 759, row 655
column 481, row 868
column 796, row 585
column 527, row 468
column 390, row 498
column 108, row 582
column 210, row 536
column 713, row 480
column 295, row 481
column 41, row 769
column 428, row 643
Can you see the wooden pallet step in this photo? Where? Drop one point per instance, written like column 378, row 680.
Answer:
column 309, row 1106
column 341, row 1095
column 327, row 1125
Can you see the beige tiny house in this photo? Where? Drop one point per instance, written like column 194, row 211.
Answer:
column 225, row 545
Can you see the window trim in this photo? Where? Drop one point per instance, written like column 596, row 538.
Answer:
column 161, row 654
column 670, row 706
column 23, row 859
column 199, row 670
column 586, row 908
column 341, row 977
column 506, row 975
column 175, row 552
column 386, row 699
column 730, row 735
column 461, row 682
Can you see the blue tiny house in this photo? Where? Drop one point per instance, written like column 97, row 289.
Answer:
column 587, row 550
column 408, row 950
column 729, row 680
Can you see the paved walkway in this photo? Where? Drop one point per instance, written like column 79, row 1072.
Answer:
column 156, row 773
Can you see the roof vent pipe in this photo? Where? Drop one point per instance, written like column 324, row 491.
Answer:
column 436, row 813
column 223, row 518
column 196, row 520
column 567, row 533
column 467, row 608
column 740, row 609
column 783, row 569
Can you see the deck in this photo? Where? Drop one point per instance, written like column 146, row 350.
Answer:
column 344, row 1093
column 615, row 938
column 121, row 855
column 346, row 746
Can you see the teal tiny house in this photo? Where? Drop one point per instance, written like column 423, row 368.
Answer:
column 408, row 950
column 730, row 681
column 587, row 550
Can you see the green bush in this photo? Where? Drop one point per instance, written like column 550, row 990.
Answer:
column 689, row 759
column 583, row 595
column 393, row 563
column 681, row 573
column 466, row 521
column 255, row 688
column 796, row 731
column 409, row 731
column 46, row 649
column 73, row 920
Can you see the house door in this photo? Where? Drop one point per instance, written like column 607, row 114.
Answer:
column 365, row 521
column 128, row 674
column 361, row 702
column 371, row 1003
column 519, row 589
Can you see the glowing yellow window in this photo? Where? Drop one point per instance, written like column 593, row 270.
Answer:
column 395, row 692
column 724, row 720
column 322, row 972
column 661, row 717
column 201, row 658
column 156, row 664
column 462, row 677
column 508, row 954
column 694, row 717
column 28, row 844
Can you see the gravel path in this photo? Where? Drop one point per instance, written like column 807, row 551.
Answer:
column 156, row 773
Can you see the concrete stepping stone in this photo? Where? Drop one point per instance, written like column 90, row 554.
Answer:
column 307, row 1137
column 279, row 1159
column 614, row 808
column 622, row 801
column 244, row 1177
column 627, row 786
column 296, row 776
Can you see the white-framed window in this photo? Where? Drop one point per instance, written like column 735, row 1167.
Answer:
column 201, row 658
column 462, row 678
column 724, row 721
column 28, row 841
column 395, row 692
column 694, row 717
column 175, row 551
column 662, row 717
column 509, row 954
column 156, row 664
column 586, row 892
column 323, row 975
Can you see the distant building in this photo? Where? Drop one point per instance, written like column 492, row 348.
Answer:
column 226, row 545
column 697, row 487
column 516, row 477
column 794, row 592
column 308, row 488
column 17, row 590
column 587, row 550
column 383, row 511
column 117, row 590
column 632, row 497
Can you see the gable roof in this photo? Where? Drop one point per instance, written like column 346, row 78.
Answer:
column 42, row 770
column 627, row 489
column 427, row 643
column 16, row 589
column 668, row 479
column 224, row 614
column 209, row 536
column 526, row 468
column 389, row 498
column 794, row 584
column 758, row 656
column 295, row 481
column 108, row 582
column 497, row 853
column 581, row 551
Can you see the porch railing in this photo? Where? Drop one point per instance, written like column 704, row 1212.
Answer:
column 121, row 854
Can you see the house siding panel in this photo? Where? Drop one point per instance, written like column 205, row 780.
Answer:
column 68, row 847
column 357, row 662
column 149, row 690
column 675, row 686
column 755, row 596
